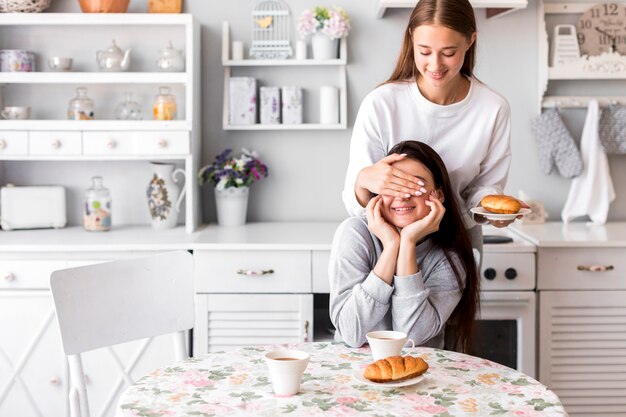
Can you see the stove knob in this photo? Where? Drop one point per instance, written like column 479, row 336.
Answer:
column 510, row 273
column 490, row 273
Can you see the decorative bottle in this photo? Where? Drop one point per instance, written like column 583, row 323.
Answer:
column 128, row 109
column 164, row 107
column 97, row 216
column 81, row 107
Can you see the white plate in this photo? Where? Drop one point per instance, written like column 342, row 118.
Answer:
column 497, row 216
column 358, row 375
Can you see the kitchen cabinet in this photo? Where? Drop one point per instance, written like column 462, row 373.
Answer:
column 48, row 136
column 494, row 7
column 270, row 69
column 582, row 314
column 34, row 376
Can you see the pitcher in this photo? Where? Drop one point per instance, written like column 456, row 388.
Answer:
column 164, row 195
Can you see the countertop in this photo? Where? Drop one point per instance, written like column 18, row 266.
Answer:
column 252, row 236
column 557, row 234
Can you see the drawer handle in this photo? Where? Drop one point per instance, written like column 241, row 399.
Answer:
column 252, row 272
column 595, row 268
column 9, row 277
column 3, row 144
column 55, row 380
column 162, row 143
column 111, row 144
column 55, row 144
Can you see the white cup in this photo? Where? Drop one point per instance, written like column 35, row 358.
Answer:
column 15, row 113
column 237, row 50
column 385, row 343
column 329, row 105
column 286, row 368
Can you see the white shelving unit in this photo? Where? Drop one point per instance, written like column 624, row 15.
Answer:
column 339, row 63
column 175, row 141
column 494, row 7
column 581, row 69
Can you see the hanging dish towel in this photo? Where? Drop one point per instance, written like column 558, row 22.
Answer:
column 592, row 192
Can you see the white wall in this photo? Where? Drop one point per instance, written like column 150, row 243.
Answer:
column 307, row 168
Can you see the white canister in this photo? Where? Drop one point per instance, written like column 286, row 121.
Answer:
column 291, row 101
column 329, row 105
column 270, row 105
column 301, row 50
column 164, row 195
column 237, row 50
column 16, row 60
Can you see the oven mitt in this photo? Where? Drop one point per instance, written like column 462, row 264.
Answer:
column 556, row 145
column 612, row 130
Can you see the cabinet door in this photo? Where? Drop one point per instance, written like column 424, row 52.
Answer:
column 229, row 321
column 33, row 370
column 582, row 350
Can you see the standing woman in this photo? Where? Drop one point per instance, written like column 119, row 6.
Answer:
column 432, row 95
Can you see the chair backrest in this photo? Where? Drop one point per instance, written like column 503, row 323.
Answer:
column 115, row 302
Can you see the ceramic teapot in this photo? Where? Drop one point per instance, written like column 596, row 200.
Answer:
column 113, row 59
column 170, row 59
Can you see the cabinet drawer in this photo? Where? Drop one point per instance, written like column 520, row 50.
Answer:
column 13, row 143
column 253, row 271
column 27, row 274
column 163, row 143
column 558, row 268
column 55, row 143
column 108, row 143
column 319, row 272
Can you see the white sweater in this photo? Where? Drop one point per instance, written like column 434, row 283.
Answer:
column 471, row 136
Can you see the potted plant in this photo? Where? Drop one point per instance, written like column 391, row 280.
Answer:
column 325, row 26
column 232, row 176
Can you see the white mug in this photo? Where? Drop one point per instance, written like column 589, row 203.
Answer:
column 385, row 343
column 286, row 368
column 15, row 112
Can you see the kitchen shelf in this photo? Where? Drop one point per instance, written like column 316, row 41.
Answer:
column 78, row 158
column 99, row 19
column 339, row 63
column 93, row 78
column 555, row 73
column 494, row 7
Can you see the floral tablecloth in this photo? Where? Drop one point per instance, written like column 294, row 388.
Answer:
column 237, row 383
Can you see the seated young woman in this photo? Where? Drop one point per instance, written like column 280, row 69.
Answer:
column 407, row 264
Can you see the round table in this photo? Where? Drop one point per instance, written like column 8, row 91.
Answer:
column 236, row 383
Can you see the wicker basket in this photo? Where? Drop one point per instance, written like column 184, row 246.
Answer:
column 23, row 6
column 165, row 6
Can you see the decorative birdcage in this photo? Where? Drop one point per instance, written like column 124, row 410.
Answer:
column 271, row 28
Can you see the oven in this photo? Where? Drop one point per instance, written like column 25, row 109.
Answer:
column 506, row 330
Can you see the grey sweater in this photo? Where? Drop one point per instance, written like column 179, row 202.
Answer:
column 361, row 302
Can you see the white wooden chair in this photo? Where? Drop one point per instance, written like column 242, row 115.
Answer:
column 115, row 302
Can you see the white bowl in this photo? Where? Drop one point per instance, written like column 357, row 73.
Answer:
column 58, row 63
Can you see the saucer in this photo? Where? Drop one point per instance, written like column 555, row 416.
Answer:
column 358, row 375
column 497, row 216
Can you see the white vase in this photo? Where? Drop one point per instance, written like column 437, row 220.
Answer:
column 232, row 205
column 323, row 47
column 164, row 195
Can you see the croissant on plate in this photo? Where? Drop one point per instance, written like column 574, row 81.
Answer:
column 395, row 368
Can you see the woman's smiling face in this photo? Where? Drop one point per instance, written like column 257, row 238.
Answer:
column 401, row 212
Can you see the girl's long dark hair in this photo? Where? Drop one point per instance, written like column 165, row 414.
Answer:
column 457, row 15
column 452, row 237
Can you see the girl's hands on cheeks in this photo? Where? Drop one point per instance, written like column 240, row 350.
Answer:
column 377, row 224
column 418, row 230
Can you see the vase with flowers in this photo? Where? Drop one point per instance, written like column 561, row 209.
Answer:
column 325, row 26
column 232, row 175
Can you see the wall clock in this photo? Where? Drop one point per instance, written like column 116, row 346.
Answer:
column 602, row 28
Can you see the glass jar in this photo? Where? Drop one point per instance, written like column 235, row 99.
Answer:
column 164, row 107
column 128, row 109
column 97, row 215
column 81, row 107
